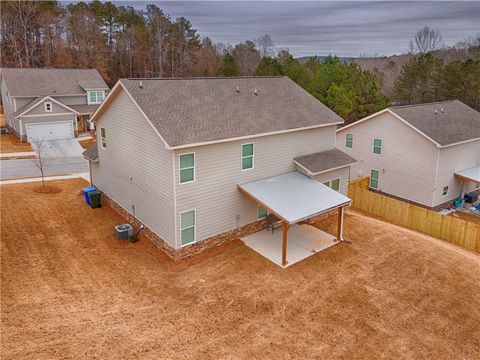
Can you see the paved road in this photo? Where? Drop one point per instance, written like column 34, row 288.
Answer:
column 23, row 168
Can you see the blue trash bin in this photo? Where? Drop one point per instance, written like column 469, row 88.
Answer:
column 85, row 194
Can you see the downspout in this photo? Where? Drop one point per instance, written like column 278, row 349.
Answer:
column 436, row 176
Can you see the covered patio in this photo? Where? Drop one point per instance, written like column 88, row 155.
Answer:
column 470, row 174
column 294, row 198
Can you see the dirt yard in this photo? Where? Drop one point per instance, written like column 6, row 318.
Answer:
column 11, row 143
column 87, row 143
column 71, row 291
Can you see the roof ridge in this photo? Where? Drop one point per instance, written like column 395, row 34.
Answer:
column 422, row 104
column 210, row 78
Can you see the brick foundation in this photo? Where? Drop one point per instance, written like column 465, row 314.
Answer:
column 189, row 250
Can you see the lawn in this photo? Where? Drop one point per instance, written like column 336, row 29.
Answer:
column 11, row 143
column 71, row 291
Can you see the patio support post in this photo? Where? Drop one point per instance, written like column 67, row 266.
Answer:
column 340, row 224
column 284, row 242
column 90, row 171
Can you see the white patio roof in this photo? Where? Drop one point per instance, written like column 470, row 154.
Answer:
column 472, row 174
column 293, row 196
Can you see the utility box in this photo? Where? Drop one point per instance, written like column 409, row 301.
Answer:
column 123, row 231
column 94, row 197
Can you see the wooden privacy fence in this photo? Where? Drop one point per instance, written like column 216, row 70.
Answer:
column 457, row 231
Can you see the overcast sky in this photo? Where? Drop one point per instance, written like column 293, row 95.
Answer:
column 344, row 28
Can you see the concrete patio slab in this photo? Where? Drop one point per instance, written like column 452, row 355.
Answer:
column 303, row 241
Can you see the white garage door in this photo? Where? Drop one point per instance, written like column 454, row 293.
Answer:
column 50, row 131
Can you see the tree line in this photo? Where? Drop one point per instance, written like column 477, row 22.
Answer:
column 121, row 41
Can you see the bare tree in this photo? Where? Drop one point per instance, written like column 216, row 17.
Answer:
column 265, row 46
column 40, row 161
column 247, row 57
column 426, row 40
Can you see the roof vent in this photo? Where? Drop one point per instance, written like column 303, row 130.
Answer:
column 441, row 110
column 255, row 91
column 436, row 112
column 141, row 85
column 238, row 89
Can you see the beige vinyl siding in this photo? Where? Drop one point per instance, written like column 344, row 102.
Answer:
column 407, row 163
column 343, row 174
column 214, row 195
column 452, row 159
column 8, row 108
column 136, row 169
column 39, row 109
column 72, row 100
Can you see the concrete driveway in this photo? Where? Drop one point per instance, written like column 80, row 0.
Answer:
column 61, row 148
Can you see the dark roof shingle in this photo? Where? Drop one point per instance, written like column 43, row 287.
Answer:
column 446, row 122
column 53, row 82
column 197, row 110
column 325, row 160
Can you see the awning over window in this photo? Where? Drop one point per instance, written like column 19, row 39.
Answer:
column 471, row 174
column 293, row 196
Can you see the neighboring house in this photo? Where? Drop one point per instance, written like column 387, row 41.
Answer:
column 417, row 152
column 178, row 149
column 50, row 104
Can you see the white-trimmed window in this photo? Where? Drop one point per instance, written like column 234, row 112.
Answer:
column 95, row 97
column 103, row 137
column 188, row 227
column 374, row 175
column 327, row 183
column 48, row 106
column 445, row 190
column 247, row 156
column 349, row 141
column 377, row 146
column 187, row 168
column 336, row 184
column 262, row 213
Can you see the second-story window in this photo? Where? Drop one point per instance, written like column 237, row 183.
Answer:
column 96, row 97
column 48, row 107
column 103, row 135
column 247, row 156
column 377, row 146
column 349, row 141
column 187, row 168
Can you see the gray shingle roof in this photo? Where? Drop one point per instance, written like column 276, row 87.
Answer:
column 91, row 153
column 42, row 82
column 325, row 160
column 458, row 122
column 84, row 109
column 195, row 110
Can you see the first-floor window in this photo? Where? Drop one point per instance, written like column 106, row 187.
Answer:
column 327, row 183
column 187, row 227
column 262, row 213
column 445, row 191
column 336, row 184
column 103, row 135
column 374, row 174
column 187, row 168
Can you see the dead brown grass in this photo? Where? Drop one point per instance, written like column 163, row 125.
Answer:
column 47, row 190
column 71, row 291
column 11, row 143
column 87, row 143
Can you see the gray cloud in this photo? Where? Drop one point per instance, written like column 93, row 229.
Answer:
column 344, row 28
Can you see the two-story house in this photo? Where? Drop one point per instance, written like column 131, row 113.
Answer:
column 50, row 104
column 428, row 154
column 204, row 160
